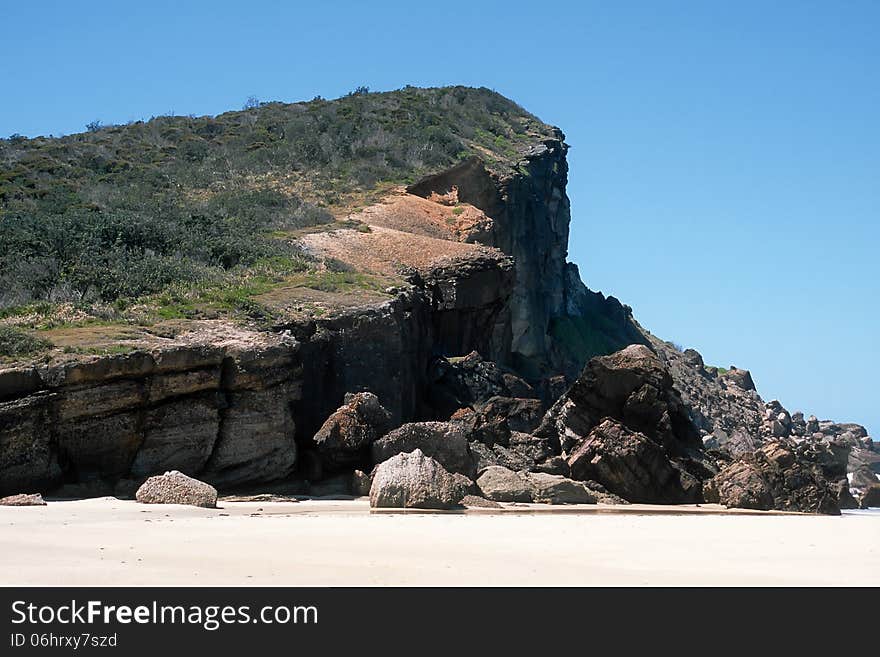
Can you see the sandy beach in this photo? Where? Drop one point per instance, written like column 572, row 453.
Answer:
column 113, row 542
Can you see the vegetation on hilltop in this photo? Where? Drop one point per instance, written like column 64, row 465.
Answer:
column 119, row 215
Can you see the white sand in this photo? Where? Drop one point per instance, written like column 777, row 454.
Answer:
column 112, row 542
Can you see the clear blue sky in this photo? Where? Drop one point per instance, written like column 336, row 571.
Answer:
column 725, row 162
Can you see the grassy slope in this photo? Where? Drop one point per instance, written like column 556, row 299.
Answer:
column 192, row 216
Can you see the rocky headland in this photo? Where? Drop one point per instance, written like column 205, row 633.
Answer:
column 484, row 372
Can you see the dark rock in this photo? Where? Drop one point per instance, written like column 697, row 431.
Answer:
column 23, row 499
column 602, row 494
column 631, row 386
column 507, row 457
column 845, row 499
column 444, row 441
column 479, row 502
column 628, row 464
column 346, row 436
column 781, row 475
column 28, row 454
column 740, row 378
column 413, row 480
column 493, row 421
column 466, row 381
column 517, row 387
column 740, row 485
column 360, row 483
column 556, row 465
column 860, row 468
column 871, row 497
column 334, row 487
column 176, row 488
column 737, row 444
column 85, row 489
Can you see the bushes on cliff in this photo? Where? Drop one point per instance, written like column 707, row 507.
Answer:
column 135, row 249
column 124, row 211
column 15, row 342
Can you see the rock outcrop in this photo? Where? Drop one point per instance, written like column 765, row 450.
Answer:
column 415, row 481
column 623, row 425
column 177, row 488
column 477, row 254
column 215, row 402
column 629, row 464
column 781, row 475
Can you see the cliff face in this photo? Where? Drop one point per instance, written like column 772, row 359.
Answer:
column 216, row 403
column 231, row 405
column 530, row 216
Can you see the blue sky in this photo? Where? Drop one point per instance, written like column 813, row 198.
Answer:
column 725, row 161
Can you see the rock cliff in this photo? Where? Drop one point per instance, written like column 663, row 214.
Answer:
column 483, row 324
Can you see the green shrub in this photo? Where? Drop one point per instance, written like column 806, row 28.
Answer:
column 125, row 211
column 15, row 342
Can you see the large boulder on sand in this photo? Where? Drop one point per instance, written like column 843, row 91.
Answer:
column 446, row 442
column 413, row 480
column 628, row 464
column 503, row 485
column 345, row 437
column 176, row 488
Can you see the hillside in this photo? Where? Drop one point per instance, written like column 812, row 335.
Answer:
column 196, row 217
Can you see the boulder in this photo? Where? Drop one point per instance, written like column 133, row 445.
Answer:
column 845, row 499
column 346, row 436
column 23, row 499
column 740, row 378
column 781, row 475
column 493, row 421
column 741, row 485
column 554, row 465
column 479, row 502
column 503, row 485
column 446, row 442
column 556, row 489
column 360, row 483
column 628, row 464
column 871, row 497
column 507, row 457
column 413, row 480
column 737, row 444
column 176, row 488
column 631, row 386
